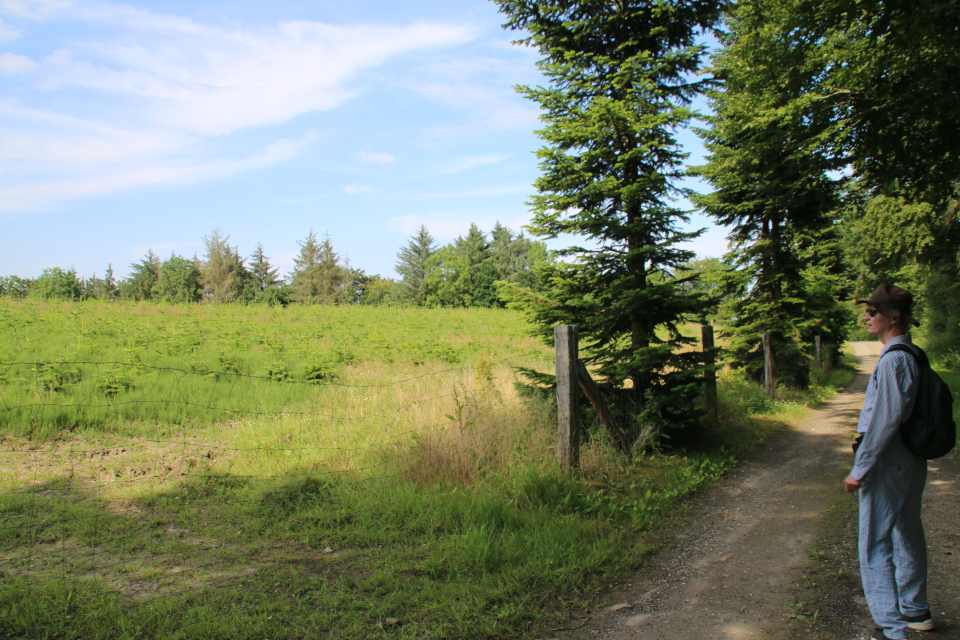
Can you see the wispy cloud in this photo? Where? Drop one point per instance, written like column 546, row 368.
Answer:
column 213, row 81
column 8, row 34
column 482, row 86
column 367, row 156
column 42, row 194
column 34, row 9
column 160, row 99
column 11, row 63
column 353, row 189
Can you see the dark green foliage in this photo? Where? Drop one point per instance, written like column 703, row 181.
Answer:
column 620, row 82
column 56, row 284
column 104, row 288
column 466, row 272
column 143, row 277
column 15, row 287
column 224, row 275
column 179, row 281
column 262, row 274
column 319, row 277
column 769, row 166
column 412, row 265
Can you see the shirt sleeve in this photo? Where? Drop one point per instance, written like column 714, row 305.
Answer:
column 896, row 378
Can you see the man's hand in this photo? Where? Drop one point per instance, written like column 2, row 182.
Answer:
column 851, row 484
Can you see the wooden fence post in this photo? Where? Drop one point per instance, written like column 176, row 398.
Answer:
column 768, row 381
column 817, row 341
column 710, row 380
column 567, row 347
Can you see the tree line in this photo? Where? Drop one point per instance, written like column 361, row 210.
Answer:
column 832, row 157
column 463, row 273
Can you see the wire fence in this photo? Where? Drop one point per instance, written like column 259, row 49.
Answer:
column 122, row 481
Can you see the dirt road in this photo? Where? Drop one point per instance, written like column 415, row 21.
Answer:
column 771, row 553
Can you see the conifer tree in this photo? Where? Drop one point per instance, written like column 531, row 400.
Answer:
column 319, row 277
column 143, row 277
column 223, row 272
column 620, row 85
column 412, row 265
column 770, row 168
column 179, row 281
column 263, row 274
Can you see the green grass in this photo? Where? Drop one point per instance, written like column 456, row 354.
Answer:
column 411, row 484
column 67, row 366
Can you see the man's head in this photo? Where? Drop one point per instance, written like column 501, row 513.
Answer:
column 888, row 311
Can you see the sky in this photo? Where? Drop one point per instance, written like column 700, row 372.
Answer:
column 147, row 125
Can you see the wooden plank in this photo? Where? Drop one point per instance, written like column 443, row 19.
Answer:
column 768, row 381
column 710, row 378
column 592, row 391
column 566, row 349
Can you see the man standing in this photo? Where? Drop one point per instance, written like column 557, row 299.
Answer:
column 893, row 551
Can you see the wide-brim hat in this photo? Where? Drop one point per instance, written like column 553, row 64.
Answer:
column 892, row 302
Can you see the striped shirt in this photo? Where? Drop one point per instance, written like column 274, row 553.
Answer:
column 891, row 392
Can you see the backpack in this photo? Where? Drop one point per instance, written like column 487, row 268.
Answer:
column 929, row 432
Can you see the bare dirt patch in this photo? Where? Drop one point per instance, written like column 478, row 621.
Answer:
column 771, row 552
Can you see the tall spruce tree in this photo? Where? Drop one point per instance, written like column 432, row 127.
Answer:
column 262, row 273
column 620, row 75
column 223, row 272
column 143, row 277
column 319, row 276
column 770, row 164
column 412, row 265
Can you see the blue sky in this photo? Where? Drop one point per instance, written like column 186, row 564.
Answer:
column 125, row 127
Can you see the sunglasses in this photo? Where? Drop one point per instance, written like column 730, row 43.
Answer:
column 873, row 312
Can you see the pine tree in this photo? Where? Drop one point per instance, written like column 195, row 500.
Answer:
column 770, row 169
column 179, row 281
column 263, row 274
column 620, row 85
column 412, row 265
column 319, row 277
column 144, row 275
column 56, row 284
column 223, row 273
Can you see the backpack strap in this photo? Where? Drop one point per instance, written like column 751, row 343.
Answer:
column 917, row 353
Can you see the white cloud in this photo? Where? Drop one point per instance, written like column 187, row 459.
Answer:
column 8, row 33
column 42, row 194
column 213, row 81
column 11, row 63
column 366, row 156
column 161, row 94
column 34, row 9
column 482, row 86
column 353, row 189
column 456, row 165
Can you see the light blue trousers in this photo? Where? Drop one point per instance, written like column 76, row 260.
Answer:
column 893, row 551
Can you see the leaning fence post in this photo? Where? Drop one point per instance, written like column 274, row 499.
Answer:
column 566, row 347
column 768, row 382
column 818, row 343
column 710, row 379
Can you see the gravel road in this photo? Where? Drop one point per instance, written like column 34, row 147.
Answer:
column 771, row 552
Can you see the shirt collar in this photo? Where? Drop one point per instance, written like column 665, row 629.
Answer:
column 904, row 339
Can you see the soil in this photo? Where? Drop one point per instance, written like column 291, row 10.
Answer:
column 771, row 552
